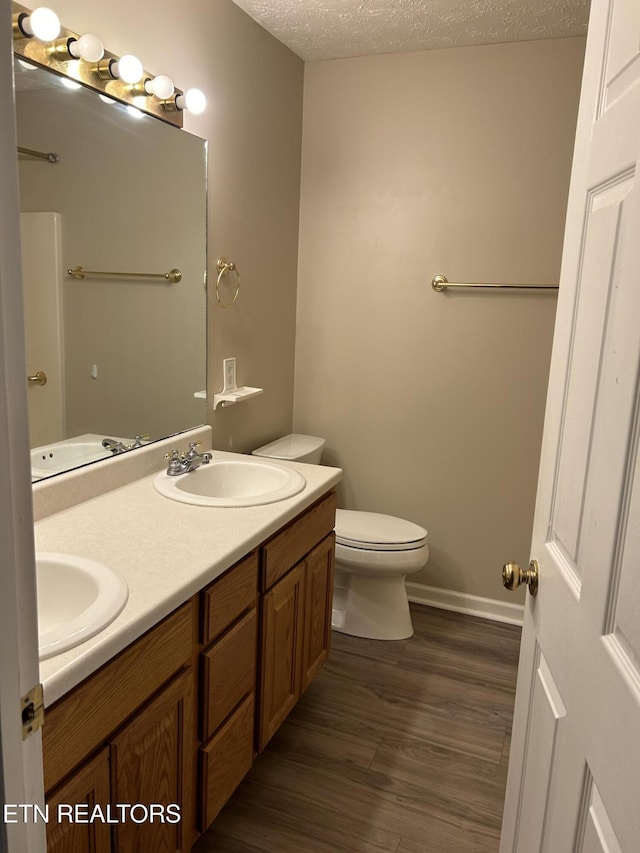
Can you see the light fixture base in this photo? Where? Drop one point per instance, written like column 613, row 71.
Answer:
column 95, row 76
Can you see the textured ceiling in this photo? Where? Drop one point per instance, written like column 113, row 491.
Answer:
column 329, row 29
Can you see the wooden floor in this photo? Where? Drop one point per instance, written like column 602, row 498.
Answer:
column 396, row 746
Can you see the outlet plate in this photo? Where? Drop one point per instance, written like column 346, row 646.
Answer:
column 229, row 372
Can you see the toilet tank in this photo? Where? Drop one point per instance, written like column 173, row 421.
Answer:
column 294, row 448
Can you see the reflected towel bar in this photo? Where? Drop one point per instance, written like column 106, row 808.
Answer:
column 172, row 276
column 49, row 156
column 440, row 284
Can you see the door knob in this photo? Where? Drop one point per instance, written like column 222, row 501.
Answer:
column 513, row 576
column 39, row 378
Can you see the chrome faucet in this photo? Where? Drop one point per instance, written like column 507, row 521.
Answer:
column 114, row 446
column 182, row 463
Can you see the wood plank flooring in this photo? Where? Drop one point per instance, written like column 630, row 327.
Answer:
column 396, row 747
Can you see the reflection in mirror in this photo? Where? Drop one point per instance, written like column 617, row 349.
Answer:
column 120, row 357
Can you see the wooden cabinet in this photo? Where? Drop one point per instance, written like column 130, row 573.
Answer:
column 318, row 602
column 89, row 787
column 227, row 685
column 282, row 626
column 135, row 718
column 297, row 578
column 177, row 716
column 152, row 763
column 226, row 759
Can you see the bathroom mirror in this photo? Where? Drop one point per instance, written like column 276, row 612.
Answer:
column 123, row 195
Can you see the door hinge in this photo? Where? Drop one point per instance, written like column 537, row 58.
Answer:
column 32, row 708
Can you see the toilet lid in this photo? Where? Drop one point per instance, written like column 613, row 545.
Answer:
column 377, row 532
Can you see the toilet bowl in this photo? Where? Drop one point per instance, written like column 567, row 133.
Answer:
column 374, row 554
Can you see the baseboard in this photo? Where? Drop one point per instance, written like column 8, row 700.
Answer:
column 474, row 605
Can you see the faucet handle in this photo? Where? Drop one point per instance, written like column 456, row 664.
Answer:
column 175, row 462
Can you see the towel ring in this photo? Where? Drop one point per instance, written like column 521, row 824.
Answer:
column 224, row 266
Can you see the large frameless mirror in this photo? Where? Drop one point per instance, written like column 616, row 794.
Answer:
column 116, row 355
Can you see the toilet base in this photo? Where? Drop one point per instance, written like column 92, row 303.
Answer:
column 375, row 608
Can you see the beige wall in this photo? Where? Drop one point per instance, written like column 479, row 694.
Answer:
column 454, row 162
column 253, row 123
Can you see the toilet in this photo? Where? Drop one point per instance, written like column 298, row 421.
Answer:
column 374, row 554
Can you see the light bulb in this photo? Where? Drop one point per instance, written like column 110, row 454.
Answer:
column 27, row 65
column 41, row 23
column 70, row 84
column 87, row 47
column 106, row 99
column 135, row 112
column 161, row 86
column 193, row 100
column 128, row 68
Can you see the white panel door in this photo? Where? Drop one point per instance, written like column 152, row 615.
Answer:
column 41, row 235
column 574, row 774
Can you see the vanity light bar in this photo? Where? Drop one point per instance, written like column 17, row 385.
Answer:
column 83, row 58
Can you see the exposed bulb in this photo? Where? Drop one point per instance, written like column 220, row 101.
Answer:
column 42, row 23
column 106, row 99
column 193, row 100
column 134, row 112
column 161, row 86
column 128, row 69
column 87, row 47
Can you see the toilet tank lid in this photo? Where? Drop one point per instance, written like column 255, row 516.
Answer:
column 376, row 529
column 291, row 446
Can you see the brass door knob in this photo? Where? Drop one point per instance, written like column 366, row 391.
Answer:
column 39, row 378
column 513, row 576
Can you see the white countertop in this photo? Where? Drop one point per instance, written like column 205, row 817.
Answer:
column 165, row 550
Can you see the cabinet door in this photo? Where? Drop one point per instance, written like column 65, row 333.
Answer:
column 282, row 636
column 152, row 762
column 88, row 786
column 317, row 608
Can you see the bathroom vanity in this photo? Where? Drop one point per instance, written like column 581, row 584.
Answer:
column 172, row 701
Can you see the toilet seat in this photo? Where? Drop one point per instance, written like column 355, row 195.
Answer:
column 373, row 531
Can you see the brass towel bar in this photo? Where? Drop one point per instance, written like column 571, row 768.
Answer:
column 49, row 156
column 440, row 284
column 172, row 276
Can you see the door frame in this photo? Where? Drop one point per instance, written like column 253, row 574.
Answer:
column 20, row 761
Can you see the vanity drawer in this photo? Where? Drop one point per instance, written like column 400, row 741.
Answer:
column 288, row 547
column 228, row 597
column 228, row 672
column 225, row 761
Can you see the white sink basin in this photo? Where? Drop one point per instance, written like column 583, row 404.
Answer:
column 77, row 598
column 232, row 483
column 56, row 458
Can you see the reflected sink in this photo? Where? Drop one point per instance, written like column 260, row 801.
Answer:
column 77, row 598
column 232, row 483
column 69, row 453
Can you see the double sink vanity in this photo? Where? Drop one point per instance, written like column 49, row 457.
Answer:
column 221, row 616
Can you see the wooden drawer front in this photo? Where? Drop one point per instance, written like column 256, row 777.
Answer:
column 89, row 786
column 228, row 672
column 225, row 761
column 288, row 547
column 229, row 596
column 83, row 719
